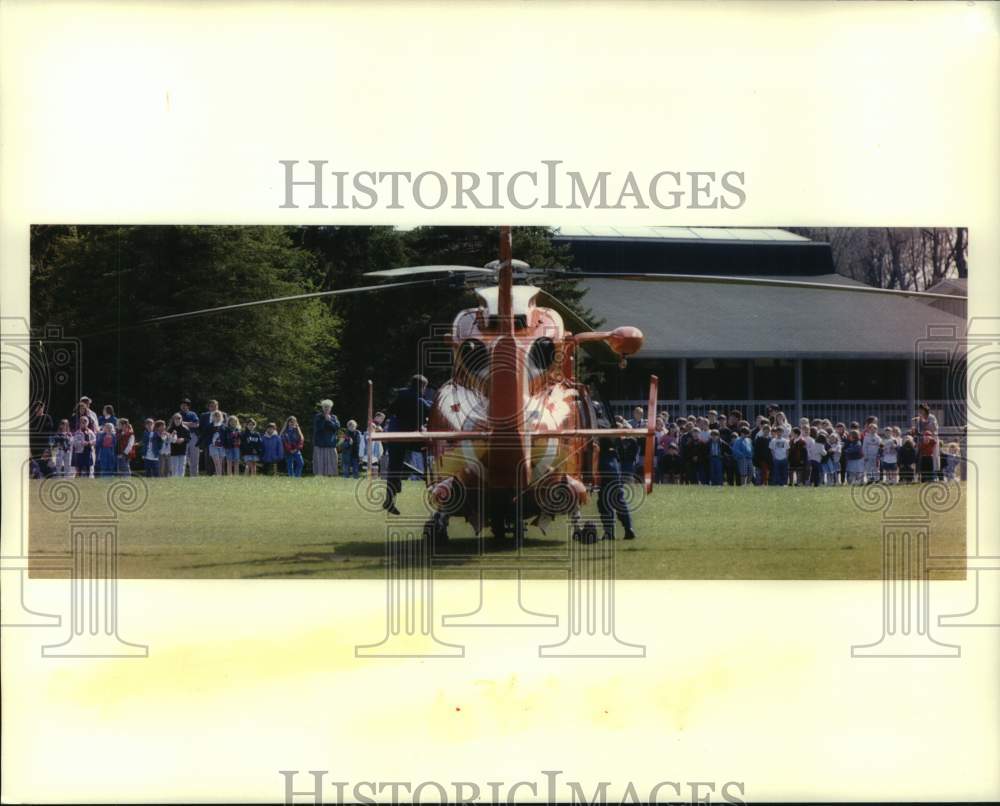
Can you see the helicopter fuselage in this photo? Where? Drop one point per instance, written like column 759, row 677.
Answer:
column 516, row 387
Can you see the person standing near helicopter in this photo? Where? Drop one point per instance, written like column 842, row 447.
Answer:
column 611, row 499
column 408, row 412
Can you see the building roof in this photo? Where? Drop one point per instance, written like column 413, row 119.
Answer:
column 695, row 250
column 753, row 234
column 959, row 287
column 694, row 320
column 951, row 285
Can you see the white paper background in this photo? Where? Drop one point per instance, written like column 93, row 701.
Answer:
column 843, row 114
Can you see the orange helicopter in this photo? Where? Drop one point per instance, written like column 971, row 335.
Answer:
column 513, row 434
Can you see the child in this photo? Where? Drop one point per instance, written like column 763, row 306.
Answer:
column 43, row 467
column 832, row 463
column 925, row 452
column 212, row 435
column 108, row 417
column 378, row 421
column 714, row 455
column 251, row 447
column 815, row 453
column 950, row 462
column 871, row 447
column 890, row 457
column 674, row 454
column 82, row 422
column 841, row 431
column 61, row 448
column 743, row 453
column 779, row 447
column 165, row 446
column 232, row 437
column 798, row 457
column 699, row 454
column 659, row 449
column 292, row 440
column 271, row 449
column 350, row 451
column 180, row 434
column 107, row 450
column 152, row 442
column 126, row 447
column 906, row 458
column 762, row 456
column 83, row 448
column 855, row 456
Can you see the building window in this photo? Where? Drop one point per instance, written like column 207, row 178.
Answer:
column 856, row 379
column 632, row 383
column 723, row 379
column 773, row 379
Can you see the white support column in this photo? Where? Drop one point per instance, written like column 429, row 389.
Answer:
column 798, row 389
column 682, row 385
column 911, row 386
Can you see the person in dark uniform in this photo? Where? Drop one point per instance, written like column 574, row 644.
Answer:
column 40, row 428
column 611, row 498
column 407, row 413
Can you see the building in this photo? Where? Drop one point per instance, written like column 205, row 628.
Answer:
column 814, row 352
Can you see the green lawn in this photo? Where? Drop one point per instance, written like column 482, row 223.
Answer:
column 315, row 528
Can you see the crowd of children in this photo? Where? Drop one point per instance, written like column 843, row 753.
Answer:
column 89, row 445
column 709, row 450
column 716, row 450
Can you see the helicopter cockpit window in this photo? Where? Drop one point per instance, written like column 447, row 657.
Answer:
column 542, row 354
column 474, row 358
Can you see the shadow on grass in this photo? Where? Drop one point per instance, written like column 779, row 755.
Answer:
column 408, row 553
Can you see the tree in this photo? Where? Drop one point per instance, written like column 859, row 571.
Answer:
column 100, row 282
column 896, row 257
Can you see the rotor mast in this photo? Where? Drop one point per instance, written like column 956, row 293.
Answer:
column 505, row 301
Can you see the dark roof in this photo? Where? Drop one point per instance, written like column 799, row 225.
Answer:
column 695, row 250
column 700, row 234
column 729, row 321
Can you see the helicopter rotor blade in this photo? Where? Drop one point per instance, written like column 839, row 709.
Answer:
column 752, row 281
column 416, row 271
column 156, row 320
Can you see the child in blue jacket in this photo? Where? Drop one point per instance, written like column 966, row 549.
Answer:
column 251, row 447
column 152, row 444
column 743, row 454
column 271, row 449
column 292, row 440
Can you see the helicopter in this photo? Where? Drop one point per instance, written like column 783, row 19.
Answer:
column 512, row 434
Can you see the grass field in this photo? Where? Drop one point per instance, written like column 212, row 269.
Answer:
column 315, row 528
